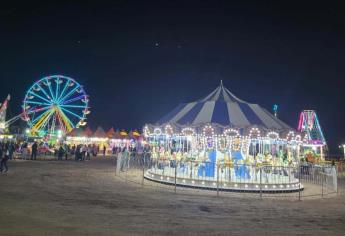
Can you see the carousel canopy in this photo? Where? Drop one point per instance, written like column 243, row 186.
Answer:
column 224, row 108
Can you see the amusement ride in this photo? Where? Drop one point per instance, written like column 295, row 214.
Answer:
column 52, row 107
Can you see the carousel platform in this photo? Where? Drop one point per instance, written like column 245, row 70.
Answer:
column 225, row 185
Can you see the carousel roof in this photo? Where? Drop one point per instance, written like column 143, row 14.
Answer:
column 224, row 108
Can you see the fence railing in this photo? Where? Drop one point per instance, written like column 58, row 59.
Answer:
column 228, row 179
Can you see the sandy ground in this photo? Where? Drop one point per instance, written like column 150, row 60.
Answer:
column 86, row 198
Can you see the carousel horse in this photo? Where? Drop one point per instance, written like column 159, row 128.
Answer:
column 207, row 168
column 241, row 170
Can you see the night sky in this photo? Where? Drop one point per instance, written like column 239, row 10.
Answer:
column 137, row 61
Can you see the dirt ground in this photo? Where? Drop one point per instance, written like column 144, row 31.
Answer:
column 86, row 198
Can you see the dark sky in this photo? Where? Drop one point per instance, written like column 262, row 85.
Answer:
column 137, row 61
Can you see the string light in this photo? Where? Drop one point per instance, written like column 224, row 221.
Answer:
column 272, row 135
column 168, row 130
column 254, row 132
column 157, row 131
column 188, row 131
column 231, row 132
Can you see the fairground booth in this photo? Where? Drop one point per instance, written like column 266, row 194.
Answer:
column 223, row 138
column 109, row 139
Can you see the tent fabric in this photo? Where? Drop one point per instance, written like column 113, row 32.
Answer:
column 111, row 133
column 87, row 132
column 76, row 132
column 100, row 133
column 224, row 108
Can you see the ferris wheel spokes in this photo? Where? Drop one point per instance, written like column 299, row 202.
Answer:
column 73, row 106
column 68, row 94
column 45, row 93
column 59, row 103
column 38, row 103
column 74, row 99
column 50, row 89
column 58, row 81
column 72, row 113
column 39, row 96
column 63, row 91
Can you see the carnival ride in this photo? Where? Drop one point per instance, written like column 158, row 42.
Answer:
column 55, row 105
column 224, row 137
column 314, row 141
column 3, row 109
column 309, row 125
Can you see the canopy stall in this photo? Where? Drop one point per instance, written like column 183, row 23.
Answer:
column 87, row 132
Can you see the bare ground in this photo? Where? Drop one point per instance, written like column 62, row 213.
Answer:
column 85, row 198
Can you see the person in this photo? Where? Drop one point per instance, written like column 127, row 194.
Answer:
column 94, row 150
column 24, row 150
column 124, row 159
column 104, row 150
column 73, row 149
column 66, row 150
column 77, row 152
column 34, row 151
column 119, row 162
column 4, row 159
column 83, row 152
column 11, row 150
column 60, row 153
column 1, row 150
column 88, row 152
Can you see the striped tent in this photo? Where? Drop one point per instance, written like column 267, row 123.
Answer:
column 223, row 108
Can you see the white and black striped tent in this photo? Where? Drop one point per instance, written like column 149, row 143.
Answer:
column 223, row 108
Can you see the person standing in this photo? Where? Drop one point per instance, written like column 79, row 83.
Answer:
column 83, row 152
column 1, row 150
column 77, row 153
column 119, row 162
column 88, row 152
column 67, row 150
column 124, row 159
column 24, row 150
column 113, row 150
column 34, row 151
column 104, row 150
column 60, row 153
column 11, row 150
column 4, row 159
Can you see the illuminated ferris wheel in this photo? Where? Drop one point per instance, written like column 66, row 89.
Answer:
column 55, row 105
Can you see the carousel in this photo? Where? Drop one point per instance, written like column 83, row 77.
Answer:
column 223, row 142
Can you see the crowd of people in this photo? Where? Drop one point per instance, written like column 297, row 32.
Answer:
column 79, row 152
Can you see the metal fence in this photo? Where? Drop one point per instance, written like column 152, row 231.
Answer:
column 224, row 179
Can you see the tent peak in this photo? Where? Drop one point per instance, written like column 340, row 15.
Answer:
column 221, row 93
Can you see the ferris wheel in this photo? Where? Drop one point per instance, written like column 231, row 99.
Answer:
column 55, row 105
